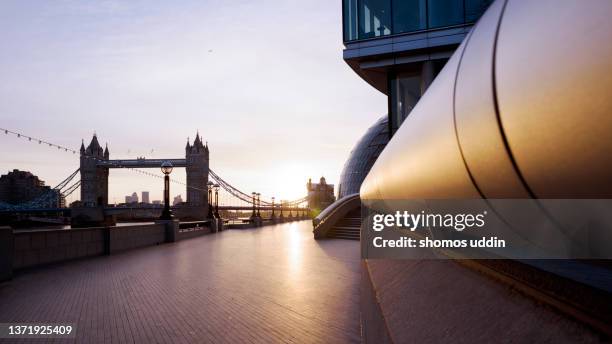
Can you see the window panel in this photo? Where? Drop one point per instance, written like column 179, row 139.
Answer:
column 374, row 18
column 445, row 12
column 350, row 20
column 409, row 15
column 405, row 92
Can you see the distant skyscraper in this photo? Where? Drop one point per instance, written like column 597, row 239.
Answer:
column 132, row 199
column 145, row 197
column 177, row 200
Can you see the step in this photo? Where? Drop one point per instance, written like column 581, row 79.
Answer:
column 357, row 220
column 346, row 229
column 348, row 224
column 358, row 223
column 346, row 237
column 345, row 232
column 341, row 235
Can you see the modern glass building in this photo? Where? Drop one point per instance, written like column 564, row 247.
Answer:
column 399, row 46
column 363, row 156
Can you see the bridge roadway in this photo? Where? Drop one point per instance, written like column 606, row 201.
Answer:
column 140, row 163
column 266, row 285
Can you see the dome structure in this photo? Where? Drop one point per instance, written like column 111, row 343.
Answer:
column 363, row 156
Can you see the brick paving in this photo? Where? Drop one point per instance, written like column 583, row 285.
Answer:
column 273, row 284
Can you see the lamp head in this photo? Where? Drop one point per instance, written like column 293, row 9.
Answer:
column 166, row 167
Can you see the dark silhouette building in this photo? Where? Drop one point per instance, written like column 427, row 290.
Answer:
column 320, row 195
column 17, row 187
column 94, row 178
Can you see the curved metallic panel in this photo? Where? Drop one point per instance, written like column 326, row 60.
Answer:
column 478, row 129
column 554, row 89
column 423, row 159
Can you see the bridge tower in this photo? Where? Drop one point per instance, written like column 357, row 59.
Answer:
column 94, row 179
column 196, row 158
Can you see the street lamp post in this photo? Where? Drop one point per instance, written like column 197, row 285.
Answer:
column 210, row 200
column 166, row 168
column 216, row 186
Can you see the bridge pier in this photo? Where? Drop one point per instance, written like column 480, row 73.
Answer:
column 191, row 213
column 255, row 220
column 91, row 217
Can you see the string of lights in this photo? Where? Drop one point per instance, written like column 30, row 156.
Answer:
column 218, row 180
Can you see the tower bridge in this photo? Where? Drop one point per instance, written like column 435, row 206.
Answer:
column 95, row 163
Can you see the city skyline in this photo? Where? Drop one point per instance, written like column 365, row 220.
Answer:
column 130, row 68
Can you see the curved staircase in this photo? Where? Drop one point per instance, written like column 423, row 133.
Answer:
column 348, row 227
column 341, row 220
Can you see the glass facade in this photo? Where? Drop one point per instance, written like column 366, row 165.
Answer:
column 363, row 156
column 409, row 16
column 406, row 88
column 405, row 92
column 365, row 19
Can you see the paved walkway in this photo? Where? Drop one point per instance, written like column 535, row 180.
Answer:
column 266, row 285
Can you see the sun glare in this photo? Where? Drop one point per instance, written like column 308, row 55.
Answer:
column 290, row 179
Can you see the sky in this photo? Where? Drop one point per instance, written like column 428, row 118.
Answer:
column 263, row 82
